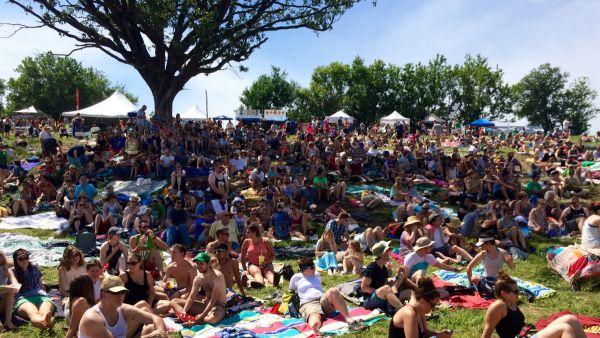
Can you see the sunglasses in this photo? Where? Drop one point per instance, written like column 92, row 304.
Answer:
column 132, row 263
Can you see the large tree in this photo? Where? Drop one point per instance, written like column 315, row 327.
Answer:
column 579, row 104
column 170, row 41
column 2, row 93
column 49, row 83
column 272, row 91
column 481, row 90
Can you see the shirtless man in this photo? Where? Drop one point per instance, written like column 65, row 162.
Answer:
column 182, row 270
column 111, row 318
column 211, row 308
column 229, row 267
column 222, row 238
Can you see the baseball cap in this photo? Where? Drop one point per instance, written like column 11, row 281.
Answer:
column 202, row 257
column 112, row 284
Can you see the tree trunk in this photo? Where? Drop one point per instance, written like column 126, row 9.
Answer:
column 163, row 105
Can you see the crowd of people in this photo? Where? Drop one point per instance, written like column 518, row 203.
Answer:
column 232, row 191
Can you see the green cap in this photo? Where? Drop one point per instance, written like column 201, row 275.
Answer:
column 202, row 257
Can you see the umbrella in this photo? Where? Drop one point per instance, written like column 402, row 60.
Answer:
column 222, row 117
column 482, row 123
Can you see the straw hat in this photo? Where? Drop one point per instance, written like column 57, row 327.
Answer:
column 412, row 220
column 454, row 223
column 422, row 243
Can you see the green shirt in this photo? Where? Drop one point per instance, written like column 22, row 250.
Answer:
column 320, row 181
column 158, row 212
column 532, row 186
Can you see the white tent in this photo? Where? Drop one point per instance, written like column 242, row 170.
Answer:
column 31, row 110
column 193, row 114
column 393, row 118
column 340, row 115
column 115, row 106
column 435, row 118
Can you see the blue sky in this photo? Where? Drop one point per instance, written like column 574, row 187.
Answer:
column 516, row 35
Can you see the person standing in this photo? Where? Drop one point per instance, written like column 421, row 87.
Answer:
column 219, row 189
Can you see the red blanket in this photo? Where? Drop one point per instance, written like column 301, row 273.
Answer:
column 591, row 325
column 467, row 301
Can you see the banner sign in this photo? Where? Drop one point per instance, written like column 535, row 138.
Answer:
column 275, row 115
column 248, row 114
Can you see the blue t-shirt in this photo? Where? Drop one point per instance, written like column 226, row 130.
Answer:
column 117, row 143
column 281, row 224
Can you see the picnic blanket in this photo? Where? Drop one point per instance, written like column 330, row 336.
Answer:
column 573, row 264
column 140, row 187
column 268, row 325
column 45, row 220
column 591, row 325
column 359, row 189
column 474, row 301
column 537, row 290
column 42, row 252
column 294, row 252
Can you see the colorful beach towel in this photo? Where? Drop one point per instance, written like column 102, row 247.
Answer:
column 474, row 301
column 359, row 189
column 591, row 325
column 573, row 264
column 537, row 290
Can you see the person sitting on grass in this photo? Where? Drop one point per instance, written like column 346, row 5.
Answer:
column 316, row 303
column 229, row 267
column 148, row 246
column 378, row 291
column 370, row 200
column 71, row 266
column 353, row 259
column 181, row 270
column 111, row 318
column 506, row 318
column 409, row 321
column 32, row 301
column 109, row 216
column 441, row 247
column 211, row 308
column 493, row 259
column 326, row 252
column 112, row 250
column 81, row 298
column 7, row 294
column 417, row 262
column 257, row 257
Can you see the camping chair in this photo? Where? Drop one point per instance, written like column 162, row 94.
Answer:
column 85, row 241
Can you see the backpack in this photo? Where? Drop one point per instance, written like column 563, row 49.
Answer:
column 290, row 303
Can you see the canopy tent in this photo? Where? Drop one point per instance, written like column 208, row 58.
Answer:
column 482, row 123
column 393, row 118
column 340, row 115
column 115, row 106
column 434, row 118
column 193, row 114
column 29, row 111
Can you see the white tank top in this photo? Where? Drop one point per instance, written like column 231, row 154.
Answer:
column 118, row 330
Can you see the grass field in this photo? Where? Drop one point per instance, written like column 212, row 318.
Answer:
column 465, row 323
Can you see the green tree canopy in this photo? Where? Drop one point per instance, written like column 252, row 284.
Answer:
column 272, row 91
column 169, row 42
column 2, row 93
column 49, row 83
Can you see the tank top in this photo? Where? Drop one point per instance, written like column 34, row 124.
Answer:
column 220, row 183
column 398, row 332
column 510, row 326
column 590, row 236
column 118, row 330
column 112, row 263
column 493, row 266
column 575, row 213
column 136, row 291
column 256, row 250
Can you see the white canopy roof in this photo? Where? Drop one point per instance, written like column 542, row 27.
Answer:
column 340, row 115
column 193, row 114
column 393, row 118
column 29, row 110
column 115, row 106
column 434, row 118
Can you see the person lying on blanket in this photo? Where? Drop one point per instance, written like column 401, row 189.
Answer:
column 315, row 303
column 505, row 317
column 111, row 318
column 211, row 307
column 417, row 262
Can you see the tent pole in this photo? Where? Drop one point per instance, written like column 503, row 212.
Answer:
column 206, row 96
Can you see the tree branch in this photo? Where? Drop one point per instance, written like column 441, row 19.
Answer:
column 18, row 27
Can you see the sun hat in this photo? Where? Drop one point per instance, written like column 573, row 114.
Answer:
column 433, row 216
column 113, row 284
column 421, row 243
column 379, row 248
column 134, row 197
column 412, row 220
column 202, row 257
column 454, row 223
